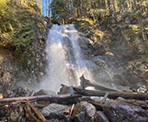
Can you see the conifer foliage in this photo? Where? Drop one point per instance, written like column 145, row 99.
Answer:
column 99, row 16
column 17, row 28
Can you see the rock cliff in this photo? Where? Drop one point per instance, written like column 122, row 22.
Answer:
column 13, row 73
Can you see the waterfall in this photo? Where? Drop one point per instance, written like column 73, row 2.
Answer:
column 67, row 63
column 65, row 60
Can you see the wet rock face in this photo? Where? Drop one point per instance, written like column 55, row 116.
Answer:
column 86, row 47
column 83, row 112
column 13, row 73
column 119, row 111
column 56, row 111
column 36, row 66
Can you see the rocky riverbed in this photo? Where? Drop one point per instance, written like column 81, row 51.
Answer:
column 24, row 105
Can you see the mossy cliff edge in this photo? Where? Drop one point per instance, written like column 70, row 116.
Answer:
column 23, row 34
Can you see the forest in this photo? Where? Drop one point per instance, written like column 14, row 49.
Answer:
column 109, row 24
column 102, row 17
column 119, row 26
column 99, row 20
column 106, row 39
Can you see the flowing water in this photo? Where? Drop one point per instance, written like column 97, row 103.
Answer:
column 66, row 62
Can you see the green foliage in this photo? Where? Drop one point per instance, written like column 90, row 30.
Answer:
column 128, row 17
column 17, row 28
column 60, row 11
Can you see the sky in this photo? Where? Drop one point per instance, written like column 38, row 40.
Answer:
column 44, row 6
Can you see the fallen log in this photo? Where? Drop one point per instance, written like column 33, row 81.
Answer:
column 112, row 94
column 85, row 83
column 51, row 98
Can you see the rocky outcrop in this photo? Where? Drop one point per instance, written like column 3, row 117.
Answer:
column 36, row 66
column 118, row 67
column 56, row 111
column 84, row 110
column 13, row 73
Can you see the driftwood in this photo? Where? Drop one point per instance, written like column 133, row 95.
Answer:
column 31, row 118
column 29, row 115
column 39, row 115
column 85, row 83
column 51, row 98
column 105, row 97
column 113, row 94
column 71, row 112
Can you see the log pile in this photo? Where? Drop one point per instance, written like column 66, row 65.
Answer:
column 108, row 109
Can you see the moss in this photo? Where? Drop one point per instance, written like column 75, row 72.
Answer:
column 18, row 28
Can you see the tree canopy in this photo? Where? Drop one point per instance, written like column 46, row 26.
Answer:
column 99, row 16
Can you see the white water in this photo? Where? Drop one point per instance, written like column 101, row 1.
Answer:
column 65, row 61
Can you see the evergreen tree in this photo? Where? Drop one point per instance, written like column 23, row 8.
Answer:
column 128, row 16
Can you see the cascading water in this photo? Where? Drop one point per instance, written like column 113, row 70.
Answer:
column 65, row 60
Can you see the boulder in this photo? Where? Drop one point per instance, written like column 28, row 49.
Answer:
column 83, row 112
column 120, row 111
column 55, row 111
column 66, row 90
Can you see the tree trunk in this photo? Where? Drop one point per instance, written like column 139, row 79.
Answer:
column 49, row 9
